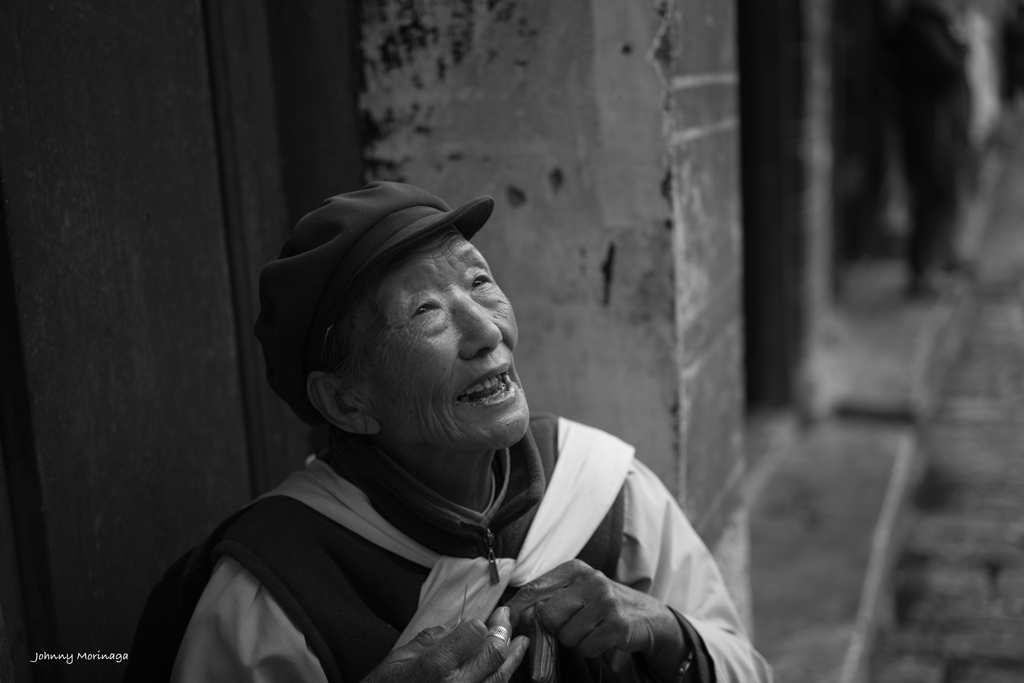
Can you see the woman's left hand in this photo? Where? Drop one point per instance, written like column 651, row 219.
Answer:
column 591, row 613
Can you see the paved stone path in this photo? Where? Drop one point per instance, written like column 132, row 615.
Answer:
column 959, row 586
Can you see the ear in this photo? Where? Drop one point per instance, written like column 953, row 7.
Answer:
column 340, row 404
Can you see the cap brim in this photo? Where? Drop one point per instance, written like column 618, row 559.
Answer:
column 467, row 218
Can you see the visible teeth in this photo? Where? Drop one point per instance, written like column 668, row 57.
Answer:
column 486, row 385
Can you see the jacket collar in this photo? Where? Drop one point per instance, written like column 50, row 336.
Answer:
column 433, row 520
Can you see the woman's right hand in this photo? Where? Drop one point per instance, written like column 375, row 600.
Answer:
column 461, row 654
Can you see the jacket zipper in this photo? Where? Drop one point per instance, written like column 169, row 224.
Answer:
column 493, row 565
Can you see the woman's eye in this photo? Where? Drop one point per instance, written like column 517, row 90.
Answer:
column 481, row 280
column 424, row 308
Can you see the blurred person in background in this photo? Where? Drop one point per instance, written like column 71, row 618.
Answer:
column 982, row 77
column 1013, row 52
column 927, row 55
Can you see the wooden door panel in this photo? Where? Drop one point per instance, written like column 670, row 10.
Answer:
column 127, row 438
column 255, row 216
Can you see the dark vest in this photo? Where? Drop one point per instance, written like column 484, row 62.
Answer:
column 349, row 598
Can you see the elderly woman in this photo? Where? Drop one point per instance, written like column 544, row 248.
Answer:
column 447, row 534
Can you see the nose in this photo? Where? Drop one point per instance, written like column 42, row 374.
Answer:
column 478, row 328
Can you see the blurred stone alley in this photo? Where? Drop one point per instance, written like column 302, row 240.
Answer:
column 959, row 581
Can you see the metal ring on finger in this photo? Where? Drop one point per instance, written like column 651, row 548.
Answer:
column 500, row 632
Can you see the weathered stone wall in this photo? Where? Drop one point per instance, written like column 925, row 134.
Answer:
column 554, row 109
column 607, row 133
column 700, row 52
column 704, row 139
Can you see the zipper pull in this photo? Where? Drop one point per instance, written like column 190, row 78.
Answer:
column 489, row 541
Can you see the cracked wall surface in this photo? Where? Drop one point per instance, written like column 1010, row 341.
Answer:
column 553, row 109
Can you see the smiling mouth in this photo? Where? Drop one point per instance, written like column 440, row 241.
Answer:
column 496, row 387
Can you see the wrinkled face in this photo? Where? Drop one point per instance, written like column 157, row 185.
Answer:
column 439, row 375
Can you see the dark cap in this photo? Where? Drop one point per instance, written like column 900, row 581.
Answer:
column 301, row 291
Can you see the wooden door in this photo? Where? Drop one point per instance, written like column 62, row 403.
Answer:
column 141, row 154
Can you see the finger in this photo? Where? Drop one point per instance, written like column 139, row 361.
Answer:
column 491, row 655
column 603, row 638
column 427, row 637
column 499, row 617
column 516, row 654
column 558, row 610
column 526, row 617
column 500, row 628
column 579, row 625
column 421, row 642
column 540, row 588
column 485, row 660
column 458, row 645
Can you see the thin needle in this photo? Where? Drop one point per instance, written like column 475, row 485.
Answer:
column 465, row 592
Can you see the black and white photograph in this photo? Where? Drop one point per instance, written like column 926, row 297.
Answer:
column 512, row 341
